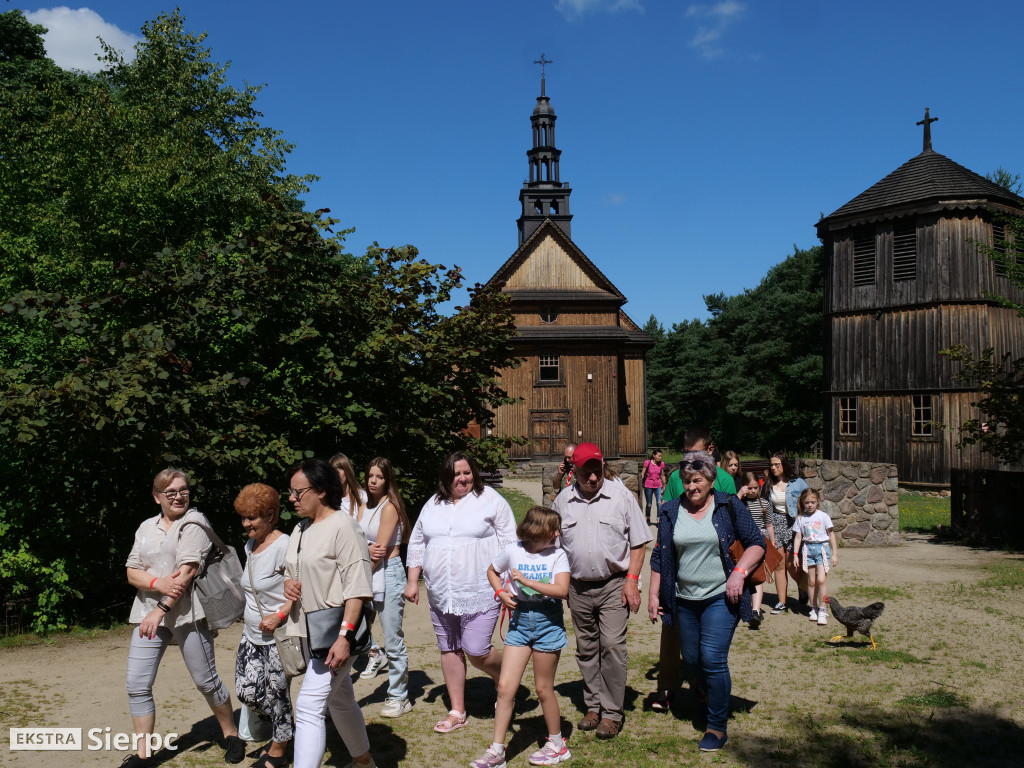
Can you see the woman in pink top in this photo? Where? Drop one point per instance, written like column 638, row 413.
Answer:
column 654, row 481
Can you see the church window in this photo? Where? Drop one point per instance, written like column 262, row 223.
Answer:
column 922, row 426
column 549, row 368
column 848, row 416
column 864, row 259
column 904, row 252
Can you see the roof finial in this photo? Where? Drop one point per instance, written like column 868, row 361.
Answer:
column 542, row 61
column 927, row 123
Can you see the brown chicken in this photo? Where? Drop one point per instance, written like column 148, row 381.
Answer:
column 855, row 619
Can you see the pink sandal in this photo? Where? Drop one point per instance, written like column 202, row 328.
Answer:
column 447, row 726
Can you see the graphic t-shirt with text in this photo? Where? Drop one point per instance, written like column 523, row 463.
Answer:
column 540, row 566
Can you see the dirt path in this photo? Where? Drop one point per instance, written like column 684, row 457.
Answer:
column 941, row 632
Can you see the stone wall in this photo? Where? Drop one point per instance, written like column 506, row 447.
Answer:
column 861, row 498
column 547, row 471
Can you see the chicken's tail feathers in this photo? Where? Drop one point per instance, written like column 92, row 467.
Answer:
column 875, row 609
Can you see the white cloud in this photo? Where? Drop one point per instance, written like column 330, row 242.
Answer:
column 71, row 37
column 615, row 198
column 717, row 17
column 574, row 9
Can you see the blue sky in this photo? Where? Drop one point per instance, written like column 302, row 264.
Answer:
column 702, row 141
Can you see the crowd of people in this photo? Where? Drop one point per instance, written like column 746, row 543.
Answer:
column 587, row 549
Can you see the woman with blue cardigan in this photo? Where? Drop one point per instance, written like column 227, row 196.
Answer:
column 696, row 585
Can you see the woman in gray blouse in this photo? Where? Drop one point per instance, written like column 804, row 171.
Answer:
column 260, row 681
column 164, row 559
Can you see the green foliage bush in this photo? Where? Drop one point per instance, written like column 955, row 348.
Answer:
column 170, row 303
column 752, row 373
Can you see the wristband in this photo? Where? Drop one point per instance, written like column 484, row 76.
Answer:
column 631, row 576
column 160, row 604
column 282, row 616
column 737, row 568
column 153, row 581
column 497, row 596
column 348, row 625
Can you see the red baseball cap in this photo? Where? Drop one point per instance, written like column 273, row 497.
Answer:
column 586, row 452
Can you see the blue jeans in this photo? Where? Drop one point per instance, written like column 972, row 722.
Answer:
column 648, row 493
column 706, row 628
column 390, row 611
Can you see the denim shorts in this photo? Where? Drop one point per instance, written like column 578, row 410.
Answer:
column 818, row 552
column 538, row 625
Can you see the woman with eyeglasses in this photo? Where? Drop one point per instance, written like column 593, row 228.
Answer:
column 165, row 557
column 459, row 532
column 698, row 587
column 327, row 566
column 782, row 489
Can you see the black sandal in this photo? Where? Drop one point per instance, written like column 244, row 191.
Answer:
column 266, row 761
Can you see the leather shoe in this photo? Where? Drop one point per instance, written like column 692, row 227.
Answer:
column 590, row 721
column 608, row 729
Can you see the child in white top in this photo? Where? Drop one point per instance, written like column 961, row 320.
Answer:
column 538, row 582
column 814, row 541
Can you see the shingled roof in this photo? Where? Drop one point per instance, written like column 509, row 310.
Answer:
column 927, row 177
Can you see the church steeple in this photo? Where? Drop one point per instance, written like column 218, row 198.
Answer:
column 544, row 195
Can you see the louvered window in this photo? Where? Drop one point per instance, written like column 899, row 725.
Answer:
column 999, row 245
column 904, row 252
column 864, row 259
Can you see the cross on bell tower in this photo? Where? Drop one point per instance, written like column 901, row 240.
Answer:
column 544, row 195
column 927, row 123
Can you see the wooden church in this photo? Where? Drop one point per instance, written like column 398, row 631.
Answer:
column 904, row 280
column 582, row 371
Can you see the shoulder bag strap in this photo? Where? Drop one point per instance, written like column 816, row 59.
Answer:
column 248, row 567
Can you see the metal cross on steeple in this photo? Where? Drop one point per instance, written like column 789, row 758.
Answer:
column 542, row 61
column 927, row 123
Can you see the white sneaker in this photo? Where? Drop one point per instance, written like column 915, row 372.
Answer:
column 549, row 754
column 378, row 662
column 395, row 707
column 813, row 615
column 489, row 759
column 822, row 619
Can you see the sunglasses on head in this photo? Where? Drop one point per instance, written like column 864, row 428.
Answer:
column 697, row 465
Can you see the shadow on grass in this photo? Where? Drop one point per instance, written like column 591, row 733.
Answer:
column 906, row 736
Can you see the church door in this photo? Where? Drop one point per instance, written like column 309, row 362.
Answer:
column 549, row 432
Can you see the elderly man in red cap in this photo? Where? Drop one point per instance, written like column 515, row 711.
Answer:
column 604, row 535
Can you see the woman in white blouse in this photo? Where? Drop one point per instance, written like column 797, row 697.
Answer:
column 164, row 559
column 458, row 533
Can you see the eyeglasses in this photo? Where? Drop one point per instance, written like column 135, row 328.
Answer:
column 184, row 493
column 296, row 493
column 697, row 465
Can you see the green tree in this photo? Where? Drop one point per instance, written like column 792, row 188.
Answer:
column 212, row 324
column 753, row 372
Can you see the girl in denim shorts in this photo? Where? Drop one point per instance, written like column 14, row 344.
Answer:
column 538, row 572
column 814, row 542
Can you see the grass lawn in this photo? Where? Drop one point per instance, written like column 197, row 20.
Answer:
column 519, row 502
column 926, row 514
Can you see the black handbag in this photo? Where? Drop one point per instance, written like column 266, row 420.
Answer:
column 323, row 626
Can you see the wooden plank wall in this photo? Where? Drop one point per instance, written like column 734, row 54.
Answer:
column 633, row 436
column 548, row 265
column 522, row 319
column 900, row 349
column 885, row 425
column 949, row 266
column 594, row 404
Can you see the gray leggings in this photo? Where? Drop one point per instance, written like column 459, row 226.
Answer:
column 144, row 654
